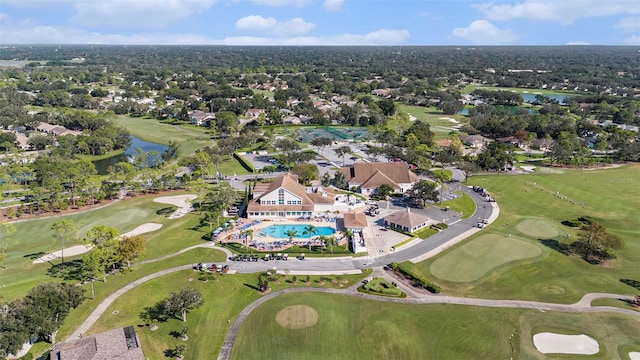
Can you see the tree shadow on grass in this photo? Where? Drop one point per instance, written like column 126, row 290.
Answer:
column 166, row 210
column 70, row 270
column 633, row 283
column 35, row 256
column 251, row 286
column 175, row 334
column 563, row 249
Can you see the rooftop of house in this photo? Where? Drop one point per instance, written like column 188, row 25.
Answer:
column 406, row 218
column 374, row 174
column 121, row 343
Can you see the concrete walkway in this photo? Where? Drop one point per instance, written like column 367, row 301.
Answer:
column 582, row 306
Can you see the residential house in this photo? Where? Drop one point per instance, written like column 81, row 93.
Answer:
column 56, row 130
column 367, row 177
column 286, row 198
column 122, row 344
column 254, row 113
column 543, row 144
column 408, row 221
column 475, row 141
column 201, row 118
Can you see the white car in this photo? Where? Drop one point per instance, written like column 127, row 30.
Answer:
column 370, row 202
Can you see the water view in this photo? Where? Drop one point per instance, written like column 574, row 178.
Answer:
column 103, row 165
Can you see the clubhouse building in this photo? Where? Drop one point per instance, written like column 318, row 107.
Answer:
column 286, row 198
column 368, row 177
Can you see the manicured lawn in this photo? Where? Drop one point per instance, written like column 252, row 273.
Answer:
column 223, row 297
column 189, row 137
column 463, row 204
column 425, row 233
column 611, row 197
column 439, row 126
column 354, row 328
column 473, row 259
column 35, row 237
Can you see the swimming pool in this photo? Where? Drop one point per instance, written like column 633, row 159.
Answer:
column 280, row 231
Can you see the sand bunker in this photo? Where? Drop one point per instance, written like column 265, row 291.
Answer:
column 297, row 317
column 144, row 228
column 634, row 355
column 81, row 249
column 528, row 168
column 450, row 120
column 181, row 201
column 551, row 343
column 68, row 252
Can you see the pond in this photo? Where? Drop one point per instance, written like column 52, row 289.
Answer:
column 531, row 97
column 103, row 165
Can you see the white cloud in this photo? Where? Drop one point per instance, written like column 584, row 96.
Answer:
column 628, row 24
column 564, row 12
column 137, row 13
column 281, row 2
column 482, row 32
column 30, row 33
column 579, row 42
column 632, row 40
column 257, row 23
column 333, row 5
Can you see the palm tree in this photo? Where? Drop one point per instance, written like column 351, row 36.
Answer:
column 249, row 234
column 310, row 230
column 331, row 240
column 349, row 234
column 291, row 234
column 323, row 241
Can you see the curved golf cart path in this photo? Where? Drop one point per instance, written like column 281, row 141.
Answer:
column 345, row 265
column 582, row 306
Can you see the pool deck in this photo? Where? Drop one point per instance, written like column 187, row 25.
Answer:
column 265, row 242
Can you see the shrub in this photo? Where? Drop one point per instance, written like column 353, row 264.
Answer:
column 418, row 280
column 244, row 162
column 577, row 222
column 439, row 226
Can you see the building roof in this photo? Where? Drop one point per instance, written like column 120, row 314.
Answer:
column 405, row 218
column 374, row 174
column 352, row 220
column 121, row 344
column 289, row 182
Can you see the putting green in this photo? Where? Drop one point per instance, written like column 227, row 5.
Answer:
column 297, row 317
column 472, row 260
column 536, row 228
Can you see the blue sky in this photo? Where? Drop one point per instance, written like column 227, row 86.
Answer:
column 321, row 22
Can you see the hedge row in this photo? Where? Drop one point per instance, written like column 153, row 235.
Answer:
column 418, row 280
column 439, row 226
column 244, row 162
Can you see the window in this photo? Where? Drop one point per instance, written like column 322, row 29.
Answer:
column 281, row 197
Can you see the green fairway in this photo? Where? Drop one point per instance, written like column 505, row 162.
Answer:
column 224, row 297
column 440, row 126
column 610, row 197
column 472, row 260
column 190, row 138
column 470, row 88
column 34, row 238
column 354, row 328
